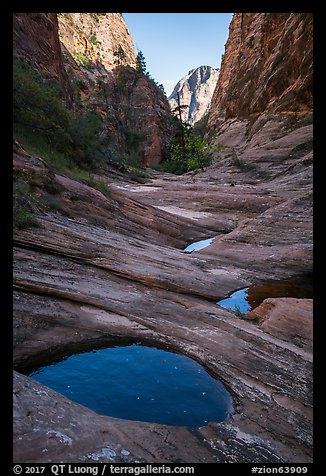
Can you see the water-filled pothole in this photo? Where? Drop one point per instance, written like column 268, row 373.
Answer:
column 237, row 302
column 140, row 383
column 246, row 299
column 198, row 245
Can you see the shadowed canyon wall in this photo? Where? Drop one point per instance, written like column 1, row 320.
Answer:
column 36, row 41
column 266, row 76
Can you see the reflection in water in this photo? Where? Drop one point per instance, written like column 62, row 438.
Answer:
column 198, row 245
column 237, row 302
column 140, row 383
column 245, row 299
column 301, row 287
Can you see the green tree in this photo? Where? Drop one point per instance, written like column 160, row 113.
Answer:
column 161, row 88
column 141, row 68
column 197, row 150
column 201, row 126
column 188, row 151
column 140, row 62
column 85, row 129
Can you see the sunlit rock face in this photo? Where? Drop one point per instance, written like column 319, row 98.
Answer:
column 195, row 90
column 93, row 57
column 100, row 53
column 102, row 38
column 109, row 266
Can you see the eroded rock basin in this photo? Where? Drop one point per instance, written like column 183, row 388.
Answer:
column 140, row 383
column 246, row 299
column 111, row 267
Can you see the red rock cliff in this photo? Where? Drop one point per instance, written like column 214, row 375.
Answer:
column 266, row 72
column 93, row 57
column 36, row 40
column 99, row 50
column 102, row 37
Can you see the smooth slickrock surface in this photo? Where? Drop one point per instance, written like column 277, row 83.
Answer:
column 287, row 318
column 118, row 274
column 51, row 428
column 109, row 269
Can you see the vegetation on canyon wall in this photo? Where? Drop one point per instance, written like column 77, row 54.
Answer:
column 142, row 69
column 23, row 204
column 42, row 121
column 98, row 270
column 70, row 141
column 84, row 138
column 77, row 142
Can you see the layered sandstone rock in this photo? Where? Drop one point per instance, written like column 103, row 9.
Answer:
column 36, row 40
column 265, row 80
column 98, row 37
column 287, row 318
column 101, row 57
column 93, row 57
column 195, row 91
column 144, row 112
column 110, row 269
column 105, row 269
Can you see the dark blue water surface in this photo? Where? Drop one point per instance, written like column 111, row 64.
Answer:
column 140, row 383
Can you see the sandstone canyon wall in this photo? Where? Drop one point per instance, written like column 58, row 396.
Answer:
column 137, row 113
column 94, row 58
column 265, row 82
column 105, row 265
column 98, row 37
column 195, row 91
column 36, row 41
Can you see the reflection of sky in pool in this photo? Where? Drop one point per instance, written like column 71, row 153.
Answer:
column 198, row 245
column 246, row 299
column 238, row 301
column 140, row 383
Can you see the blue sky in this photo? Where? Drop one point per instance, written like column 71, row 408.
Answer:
column 174, row 43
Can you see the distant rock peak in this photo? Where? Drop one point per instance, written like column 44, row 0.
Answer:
column 195, row 90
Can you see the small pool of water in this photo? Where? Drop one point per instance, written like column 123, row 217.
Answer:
column 198, row 245
column 140, row 383
column 237, row 302
column 246, row 299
